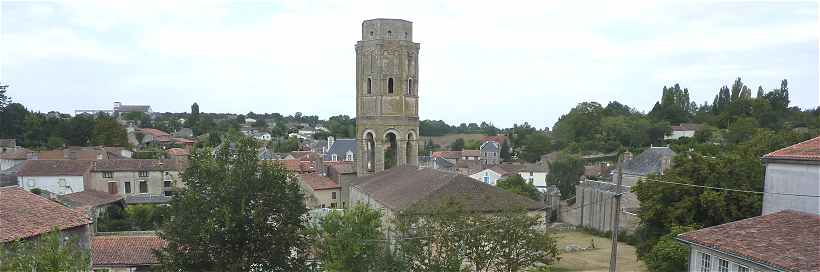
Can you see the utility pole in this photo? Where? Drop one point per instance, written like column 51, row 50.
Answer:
column 616, row 215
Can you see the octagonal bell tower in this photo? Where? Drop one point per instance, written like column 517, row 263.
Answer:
column 387, row 101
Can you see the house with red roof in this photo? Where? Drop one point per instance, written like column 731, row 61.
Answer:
column 24, row 216
column 56, row 176
column 780, row 241
column 320, row 191
column 793, row 178
column 125, row 251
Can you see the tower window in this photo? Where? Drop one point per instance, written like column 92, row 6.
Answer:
column 369, row 86
column 389, row 34
column 371, row 33
column 406, row 36
column 390, row 85
column 410, row 86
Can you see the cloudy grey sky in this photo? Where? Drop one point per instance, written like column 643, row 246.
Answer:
column 500, row 61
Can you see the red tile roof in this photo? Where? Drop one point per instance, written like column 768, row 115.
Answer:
column 177, row 152
column 88, row 199
column 16, row 154
column 304, row 155
column 471, row 153
column 50, row 168
column 155, row 132
column 23, row 214
column 786, row 240
column 296, row 166
column 129, row 165
column 342, row 167
column 183, row 141
column 805, row 151
column 447, row 154
column 125, row 250
column 318, row 182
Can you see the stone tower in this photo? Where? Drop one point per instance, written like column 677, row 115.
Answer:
column 387, row 101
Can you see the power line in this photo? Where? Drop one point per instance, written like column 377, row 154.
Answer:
column 726, row 189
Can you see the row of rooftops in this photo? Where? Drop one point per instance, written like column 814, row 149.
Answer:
column 81, row 167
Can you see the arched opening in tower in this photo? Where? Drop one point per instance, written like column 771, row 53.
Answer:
column 391, row 151
column 409, row 151
column 370, row 152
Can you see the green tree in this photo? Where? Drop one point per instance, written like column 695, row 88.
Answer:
column 47, row 253
column 55, row 142
column 194, row 119
column 565, row 173
column 457, row 145
column 235, row 215
column 341, row 126
column 261, row 123
column 4, row 99
column 518, row 185
column 535, row 145
column 472, row 144
column 741, row 130
column 350, row 240
column 669, row 254
column 505, row 152
column 108, row 132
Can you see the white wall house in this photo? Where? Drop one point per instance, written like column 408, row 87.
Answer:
column 535, row 173
column 489, row 176
column 57, row 176
column 793, row 178
column 264, row 136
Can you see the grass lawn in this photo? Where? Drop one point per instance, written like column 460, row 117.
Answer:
column 446, row 140
column 594, row 259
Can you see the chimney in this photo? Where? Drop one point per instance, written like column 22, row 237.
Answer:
column 330, row 141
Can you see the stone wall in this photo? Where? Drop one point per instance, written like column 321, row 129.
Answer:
column 595, row 204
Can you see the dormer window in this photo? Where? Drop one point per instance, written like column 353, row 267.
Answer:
column 334, row 157
column 349, row 156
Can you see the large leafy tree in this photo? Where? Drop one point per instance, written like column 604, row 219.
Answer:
column 565, row 173
column 518, row 185
column 46, row 253
column 108, row 132
column 535, row 145
column 236, row 214
column 351, row 240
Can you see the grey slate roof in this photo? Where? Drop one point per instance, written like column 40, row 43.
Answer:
column 442, row 163
column 340, row 148
column 489, row 146
column 648, row 162
column 147, row 199
column 407, row 187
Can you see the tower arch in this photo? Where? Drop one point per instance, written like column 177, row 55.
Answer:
column 387, row 83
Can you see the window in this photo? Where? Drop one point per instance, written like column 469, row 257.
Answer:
column 332, row 195
column 723, row 265
column 333, row 205
column 487, row 179
column 127, row 186
column 143, row 187
column 705, row 264
column 143, row 174
column 334, row 157
column 389, row 34
column 390, row 85
column 531, row 180
column 349, row 157
column 741, row 268
column 369, row 86
column 108, row 174
column 168, row 193
column 112, row 187
column 409, row 86
column 406, row 36
column 166, row 183
column 371, row 33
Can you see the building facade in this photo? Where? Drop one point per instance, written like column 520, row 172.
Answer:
column 387, row 122
column 137, row 177
column 793, row 178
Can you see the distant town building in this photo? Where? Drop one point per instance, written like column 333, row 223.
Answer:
column 118, row 109
column 535, row 173
column 138, row 177
column 654, row 160
column 683, row 130
column 491, row 175
column 490, row 152
column 55, row 176
column 340, row 150
column 780, row 241
column 320, row 191
column 793, row 170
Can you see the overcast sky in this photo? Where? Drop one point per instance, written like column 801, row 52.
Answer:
column 505, row 62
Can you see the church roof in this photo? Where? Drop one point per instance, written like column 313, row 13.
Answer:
column 406, row 187
column 340, row 147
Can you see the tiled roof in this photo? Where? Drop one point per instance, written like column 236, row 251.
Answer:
column 318, row 182
column 295, row 166
column 512, row 168
column 183, row 141
column 535, row 167
column 140, row 165
column 81, row 153
column 51, row 168
column 805, row 151
column 23, row 214
column 177, row 152
column 16, row 154
column 146, row 199
column 88, row 198
column 304, row 155
column 403, row 187
column 155, row 132
column 125, row 250
column 498, row 139
column 342, row 167
column 687, row 127
column 786, row 240
column 447, row 154
column 650, row 161
column 470, row 153
column 340, row 147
